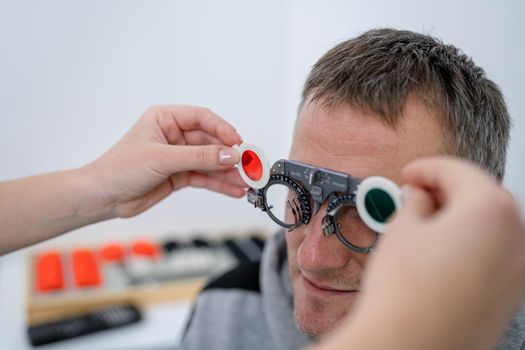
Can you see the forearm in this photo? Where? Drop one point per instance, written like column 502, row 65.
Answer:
column 43, row 206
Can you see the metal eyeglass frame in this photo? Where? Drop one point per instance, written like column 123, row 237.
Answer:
column 312, row 184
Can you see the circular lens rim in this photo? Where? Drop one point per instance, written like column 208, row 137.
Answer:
column 304, row 204
column 333, row 211
column 270, row 207
column 340, row 236
column 381, row 183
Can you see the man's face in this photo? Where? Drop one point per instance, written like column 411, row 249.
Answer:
column 326, row 277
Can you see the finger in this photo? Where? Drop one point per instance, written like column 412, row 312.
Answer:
column 189, row 118
column 230, row 176
column 199, row 137
column 417, row 203
column 204, row 181
column 446, row 177
column 175, row 159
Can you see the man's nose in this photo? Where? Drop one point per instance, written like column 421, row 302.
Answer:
column 317, row 252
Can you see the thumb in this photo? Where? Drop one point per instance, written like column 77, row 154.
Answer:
column 180, row 158
column 417, row 203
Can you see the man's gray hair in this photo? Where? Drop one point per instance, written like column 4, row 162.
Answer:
column 379, row 69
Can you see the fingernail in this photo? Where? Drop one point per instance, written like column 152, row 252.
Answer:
column 228, row 156
column 406, row 192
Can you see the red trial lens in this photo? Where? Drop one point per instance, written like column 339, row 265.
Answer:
column 252, row 165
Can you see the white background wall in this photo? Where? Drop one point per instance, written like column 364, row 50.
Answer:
column 75, row 75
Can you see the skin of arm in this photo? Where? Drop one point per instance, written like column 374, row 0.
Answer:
column 42, row 206
column 449, row 272
column 169, row 148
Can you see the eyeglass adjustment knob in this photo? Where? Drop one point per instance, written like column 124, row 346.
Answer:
column 255, row 198
column 328, row 225
column 317, row 193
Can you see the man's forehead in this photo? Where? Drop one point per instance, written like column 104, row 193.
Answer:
column 361, row 143
column 343, row 139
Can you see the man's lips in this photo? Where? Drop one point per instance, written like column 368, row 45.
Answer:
column 323, row 287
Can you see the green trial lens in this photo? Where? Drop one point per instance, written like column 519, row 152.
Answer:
column 377, row 199
column 379, row 204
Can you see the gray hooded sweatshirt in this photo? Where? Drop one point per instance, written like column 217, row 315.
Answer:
column 251, row 308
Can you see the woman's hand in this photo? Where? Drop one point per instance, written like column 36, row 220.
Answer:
column 169, row 148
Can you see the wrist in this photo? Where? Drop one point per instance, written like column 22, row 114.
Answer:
column 95, row 203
